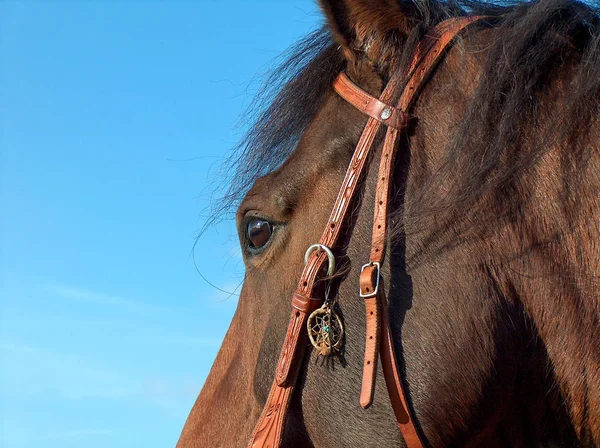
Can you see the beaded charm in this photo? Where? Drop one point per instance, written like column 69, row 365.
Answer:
column 325, row 330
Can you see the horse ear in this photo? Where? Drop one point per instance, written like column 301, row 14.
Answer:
column 371, row 28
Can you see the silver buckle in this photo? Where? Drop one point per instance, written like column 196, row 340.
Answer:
column 368, row 265
column 330, row 257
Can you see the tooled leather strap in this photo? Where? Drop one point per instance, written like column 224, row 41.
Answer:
column 368, row 104
column 428, row 54
column 270, row 426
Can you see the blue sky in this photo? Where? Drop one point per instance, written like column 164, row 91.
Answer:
column 114, row 118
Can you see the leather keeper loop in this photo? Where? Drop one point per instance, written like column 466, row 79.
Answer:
column 305, row 304
column 369, row 281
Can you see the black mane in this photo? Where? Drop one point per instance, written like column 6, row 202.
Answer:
column 282, row 110
column 533, row 41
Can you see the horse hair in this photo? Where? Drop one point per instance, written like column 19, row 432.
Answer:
column 532, row 42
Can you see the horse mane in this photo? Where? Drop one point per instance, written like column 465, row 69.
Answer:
column 291, row 95
column 532, row 42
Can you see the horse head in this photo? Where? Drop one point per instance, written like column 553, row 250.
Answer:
column 492, row 262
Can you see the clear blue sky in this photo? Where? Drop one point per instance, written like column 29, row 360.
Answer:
column 114, row 117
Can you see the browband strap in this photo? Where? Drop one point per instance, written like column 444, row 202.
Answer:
column 369, row 105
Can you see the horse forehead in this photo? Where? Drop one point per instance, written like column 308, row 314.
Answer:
column 278, row 192
column 316, row 164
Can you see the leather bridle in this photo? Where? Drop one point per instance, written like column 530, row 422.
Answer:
column 307, row 297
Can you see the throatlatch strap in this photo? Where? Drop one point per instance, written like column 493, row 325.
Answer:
column 428, row 54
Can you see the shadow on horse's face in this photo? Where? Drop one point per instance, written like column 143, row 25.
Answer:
column 474, row 242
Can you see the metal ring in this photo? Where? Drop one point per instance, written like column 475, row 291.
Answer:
column 330, row 257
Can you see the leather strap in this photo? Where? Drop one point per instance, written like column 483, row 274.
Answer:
column 271, row 424
column 368, row 278
column 428, row 54
column 370, row 275
column 394, row 384
column 369, row 105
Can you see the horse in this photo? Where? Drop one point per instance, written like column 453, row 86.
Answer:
column 493, row 261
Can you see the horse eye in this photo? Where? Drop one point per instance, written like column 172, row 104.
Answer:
column 259, row 233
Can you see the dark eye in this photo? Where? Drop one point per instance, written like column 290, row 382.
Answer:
column 259, row 233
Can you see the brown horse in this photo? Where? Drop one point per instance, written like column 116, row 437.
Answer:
column 493, row 267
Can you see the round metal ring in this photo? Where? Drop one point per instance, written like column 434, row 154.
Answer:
column 330, row 257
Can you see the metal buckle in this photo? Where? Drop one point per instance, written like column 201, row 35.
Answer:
column 368, row 265
column 330, row 257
